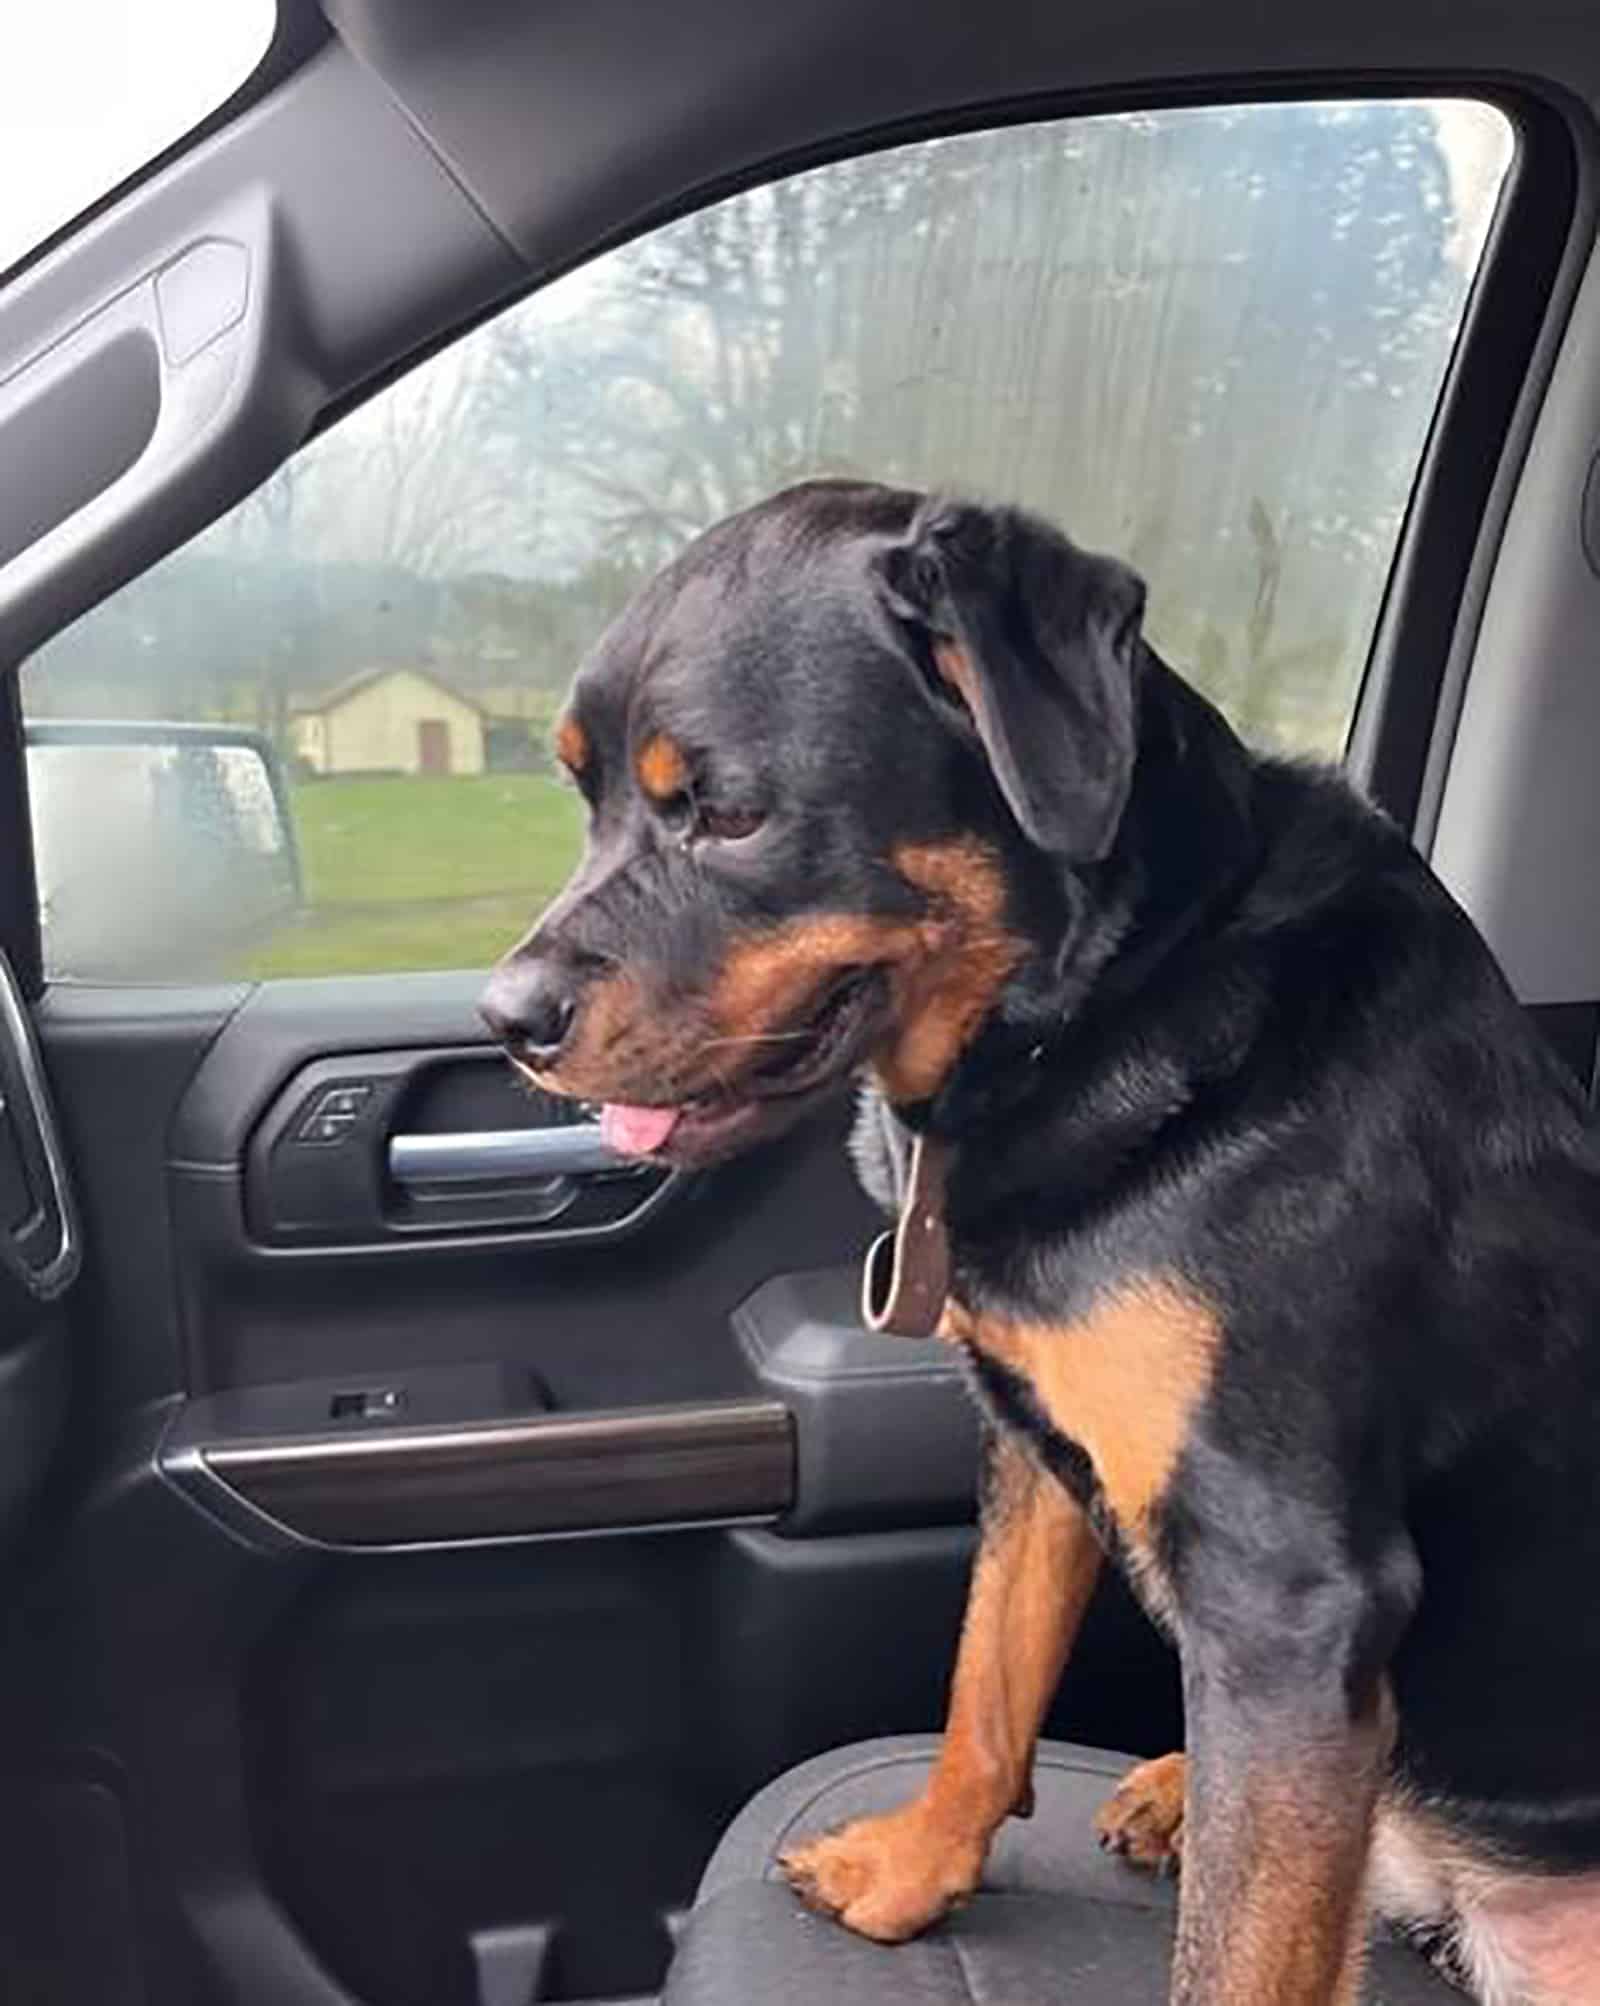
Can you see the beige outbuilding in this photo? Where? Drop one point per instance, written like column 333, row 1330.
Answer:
column 390, row 721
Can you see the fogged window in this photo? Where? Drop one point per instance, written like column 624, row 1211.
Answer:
column 1211, row 340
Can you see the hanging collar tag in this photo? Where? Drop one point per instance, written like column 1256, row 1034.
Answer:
column 907, row 1272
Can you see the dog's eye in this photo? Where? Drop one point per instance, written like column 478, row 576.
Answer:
column 729, row 825
column 690, row 820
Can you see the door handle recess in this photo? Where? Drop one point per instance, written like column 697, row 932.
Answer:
column 494, row 1155
column 402, row 1149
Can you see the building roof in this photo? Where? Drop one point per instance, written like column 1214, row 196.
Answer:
column 341, row 692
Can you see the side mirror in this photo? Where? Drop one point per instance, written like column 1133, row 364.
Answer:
column 154, row 837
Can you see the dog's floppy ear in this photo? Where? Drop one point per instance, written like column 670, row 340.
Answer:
column 1038, row 640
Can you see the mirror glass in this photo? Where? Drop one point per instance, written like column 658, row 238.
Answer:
column 158, row 841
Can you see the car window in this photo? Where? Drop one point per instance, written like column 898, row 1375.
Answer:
column 1209, row 339
column 92, row 89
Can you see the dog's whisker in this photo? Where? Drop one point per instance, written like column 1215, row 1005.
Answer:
column 756, row 1038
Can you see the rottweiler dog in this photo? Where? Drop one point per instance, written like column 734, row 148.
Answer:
column 1272, row 1228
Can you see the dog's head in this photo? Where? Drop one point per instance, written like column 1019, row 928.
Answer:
column 840, row 759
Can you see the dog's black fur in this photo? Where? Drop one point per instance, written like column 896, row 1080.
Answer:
column 1251, row 1044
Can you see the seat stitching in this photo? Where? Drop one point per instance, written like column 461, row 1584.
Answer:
column 833, row 1783
column 967, row 1985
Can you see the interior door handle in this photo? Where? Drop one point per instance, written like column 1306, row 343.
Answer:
column 403, row 1148
column 493, row 1155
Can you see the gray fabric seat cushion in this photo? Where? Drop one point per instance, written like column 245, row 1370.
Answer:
column 1056, row 1918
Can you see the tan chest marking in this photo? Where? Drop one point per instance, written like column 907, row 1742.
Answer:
column 1123, row 1382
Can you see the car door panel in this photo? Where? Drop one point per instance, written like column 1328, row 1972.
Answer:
column 118, row 1061
column 640, row 1312
column 389, row 1695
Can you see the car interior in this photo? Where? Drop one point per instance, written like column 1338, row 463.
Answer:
column 439, row 1563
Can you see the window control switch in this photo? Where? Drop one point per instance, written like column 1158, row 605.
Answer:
column 333, row 1112
column 368, row 1403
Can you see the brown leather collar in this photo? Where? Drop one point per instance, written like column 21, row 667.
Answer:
column 907, row 1272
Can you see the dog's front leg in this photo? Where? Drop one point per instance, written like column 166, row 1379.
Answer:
column 1038, row 1558
column 1288, row 1734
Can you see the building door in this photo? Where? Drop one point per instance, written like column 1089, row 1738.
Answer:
column 433, row 745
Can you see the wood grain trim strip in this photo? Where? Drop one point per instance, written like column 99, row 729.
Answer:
column 546, row 1473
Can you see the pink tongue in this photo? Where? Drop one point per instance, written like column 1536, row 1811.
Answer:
column 636, row 1131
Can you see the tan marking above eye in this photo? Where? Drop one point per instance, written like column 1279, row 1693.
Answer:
column 572, row 744
column 1123, row 1381
column 662, row 768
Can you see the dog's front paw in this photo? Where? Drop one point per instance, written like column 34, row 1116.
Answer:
column 1142, row 1821
column 887, row 1878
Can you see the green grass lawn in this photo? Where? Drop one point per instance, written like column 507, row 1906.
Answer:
column 421, row 873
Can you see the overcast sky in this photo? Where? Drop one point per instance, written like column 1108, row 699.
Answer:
column 90, row 89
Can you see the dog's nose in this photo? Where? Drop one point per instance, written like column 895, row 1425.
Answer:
column 529, row 1005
